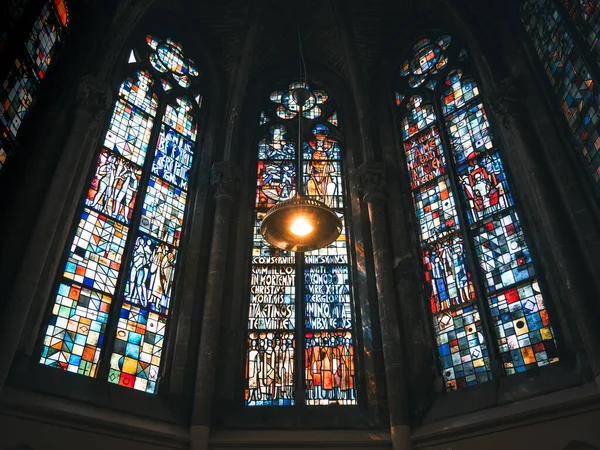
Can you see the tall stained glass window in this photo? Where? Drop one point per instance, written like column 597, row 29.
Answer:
column 570, row 67
column 114, row 290
column 22, row 81
column 482, row 285
column 300, row 314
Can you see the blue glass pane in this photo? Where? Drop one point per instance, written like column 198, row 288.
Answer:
column 461, row 347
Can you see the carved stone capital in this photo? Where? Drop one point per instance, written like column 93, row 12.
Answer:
column 93, row 95
column 225, row 177
column 509, row 100
column 370, row 177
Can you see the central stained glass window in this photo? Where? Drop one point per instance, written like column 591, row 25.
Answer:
column 115, row 287
column 300, row 316
column 481, row 283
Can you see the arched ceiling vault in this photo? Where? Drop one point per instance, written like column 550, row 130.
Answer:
column 372, row 26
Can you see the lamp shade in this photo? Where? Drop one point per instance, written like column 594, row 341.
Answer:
column 300, row 224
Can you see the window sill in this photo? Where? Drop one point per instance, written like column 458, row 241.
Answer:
column 313, row 417
column 503, row 391
column 28, row 376
column 506, row 412
column 300, row 439
column 81, row 416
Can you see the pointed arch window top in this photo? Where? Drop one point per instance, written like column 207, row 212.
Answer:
column 289, row 107
column 476, row 258
column 428, row 58
column 168, row 57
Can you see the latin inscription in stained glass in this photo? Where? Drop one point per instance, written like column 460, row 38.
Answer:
column 424, row 157
column 327, row 298
column 173, row 158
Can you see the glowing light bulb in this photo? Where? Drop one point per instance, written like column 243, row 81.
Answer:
column 300, row 226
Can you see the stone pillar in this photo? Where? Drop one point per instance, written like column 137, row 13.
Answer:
column 575, row 284
column 225, row 177
column 31, row 288
column 370, row 178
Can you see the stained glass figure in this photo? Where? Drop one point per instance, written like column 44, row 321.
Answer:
column 487, row 227
column 148, row 290
column 446, row 271
column 88, row 284
column 329, row 368
column 569, row 72
column 114, row 187
column 276, row 334
column 485, row 186
column 322, row 170
column 270, row 369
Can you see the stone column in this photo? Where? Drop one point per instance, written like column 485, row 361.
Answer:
column 225, row 177
column 575, row 284
column 31, row 289
column 370, row 178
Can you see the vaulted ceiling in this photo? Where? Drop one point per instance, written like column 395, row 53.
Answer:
column 332, row 31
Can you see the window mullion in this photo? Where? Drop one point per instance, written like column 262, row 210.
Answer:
column 134, row 223
column 300, row 391
column 466, row 230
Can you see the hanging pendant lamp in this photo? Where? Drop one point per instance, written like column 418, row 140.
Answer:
column 300, row 224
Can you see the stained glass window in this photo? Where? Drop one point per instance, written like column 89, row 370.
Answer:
column 568, row 69
column 300, row 304
column 125, row 247
column 19, row 88
column 475, row 253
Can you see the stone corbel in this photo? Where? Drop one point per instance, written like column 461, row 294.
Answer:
column 370, row 178
column 225, row 177
column 509, row 101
